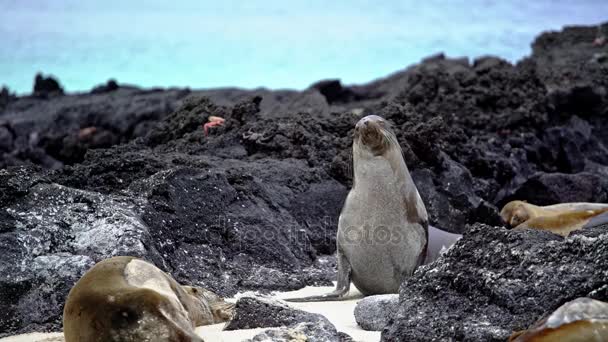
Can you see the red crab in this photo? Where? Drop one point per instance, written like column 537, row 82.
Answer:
column 213, row 121
column 599, row 41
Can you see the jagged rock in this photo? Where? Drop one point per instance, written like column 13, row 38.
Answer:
column 45, row 86
column 301, row 332
column 109, row 86
column 298, row 325
column 334, row 91
column 551, row 188
column 227, row 229
column 574, row 146
column 253, row 312
column 6, row 139
column 565, row 63
column 52, row 235
column 495, row 281
column 5, row 98
column 374, row 312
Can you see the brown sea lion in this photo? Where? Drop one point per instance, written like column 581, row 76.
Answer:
column 581, row 320
column 128, row 299
column 383, row 227
column 560, row 219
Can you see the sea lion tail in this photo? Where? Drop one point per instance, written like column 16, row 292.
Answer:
column 332, row 296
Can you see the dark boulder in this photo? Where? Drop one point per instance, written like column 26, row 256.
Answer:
column 253, row 312
column 45, row 86
column 552, row 188
column 109, row 86
column 494, row 281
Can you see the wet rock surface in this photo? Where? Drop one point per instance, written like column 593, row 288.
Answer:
column 254, row 205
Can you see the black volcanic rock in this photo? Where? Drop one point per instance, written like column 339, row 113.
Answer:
column 5, row 98
column 6, row 139
column 251, row 312
column 550, row 188
column 45, row 86
column 109, row 86
column 334, row 92
column 495, row 281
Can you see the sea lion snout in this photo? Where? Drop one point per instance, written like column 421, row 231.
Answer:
column 371, row 132
column 369, row 121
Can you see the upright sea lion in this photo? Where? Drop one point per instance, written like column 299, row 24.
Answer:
column 383, row 227
column 560, row 219
column 581, row 320
column 128, row 299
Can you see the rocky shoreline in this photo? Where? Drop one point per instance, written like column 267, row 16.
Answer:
column 254, row 205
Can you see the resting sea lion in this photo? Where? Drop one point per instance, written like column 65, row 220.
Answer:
column 581, row 320
column 383, row 227
column 128, row 299
column 560, row 219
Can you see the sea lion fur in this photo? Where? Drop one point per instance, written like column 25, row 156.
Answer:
column 128, row 299
column 383, row 227
column 560, row 219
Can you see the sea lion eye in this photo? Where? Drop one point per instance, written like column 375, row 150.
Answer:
column 516, row 220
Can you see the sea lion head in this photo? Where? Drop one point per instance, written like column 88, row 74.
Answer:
column 515, row 213
column 221, row 310
column 374, row 134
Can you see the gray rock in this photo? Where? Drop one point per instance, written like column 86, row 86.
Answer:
column 495, row 281
column 296, row 325
column 253, row 312
column 6, row 139
column 301, row 332
column 374, row 312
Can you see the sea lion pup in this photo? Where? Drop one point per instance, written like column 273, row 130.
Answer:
column 383, row 227
column 580, row 320
column 560, row 219
column 128, row 299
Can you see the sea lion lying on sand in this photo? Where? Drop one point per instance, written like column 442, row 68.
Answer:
column 128, row 299
column 581, row 320
column 560, row 219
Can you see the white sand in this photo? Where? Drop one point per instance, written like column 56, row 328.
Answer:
column 35, row 337
column 340, row 313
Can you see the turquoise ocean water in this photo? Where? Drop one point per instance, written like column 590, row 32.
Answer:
column 271, row 43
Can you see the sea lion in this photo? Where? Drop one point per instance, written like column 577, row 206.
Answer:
column 560, row 219
column 128, row 299
column 581, row 320
column 383, row 227
column 440, row 241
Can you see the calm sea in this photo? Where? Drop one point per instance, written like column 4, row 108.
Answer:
column 271, row 43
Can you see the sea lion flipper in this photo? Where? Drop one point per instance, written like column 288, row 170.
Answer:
column 342, row 287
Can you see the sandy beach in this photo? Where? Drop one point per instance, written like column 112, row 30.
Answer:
column 339, row 313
